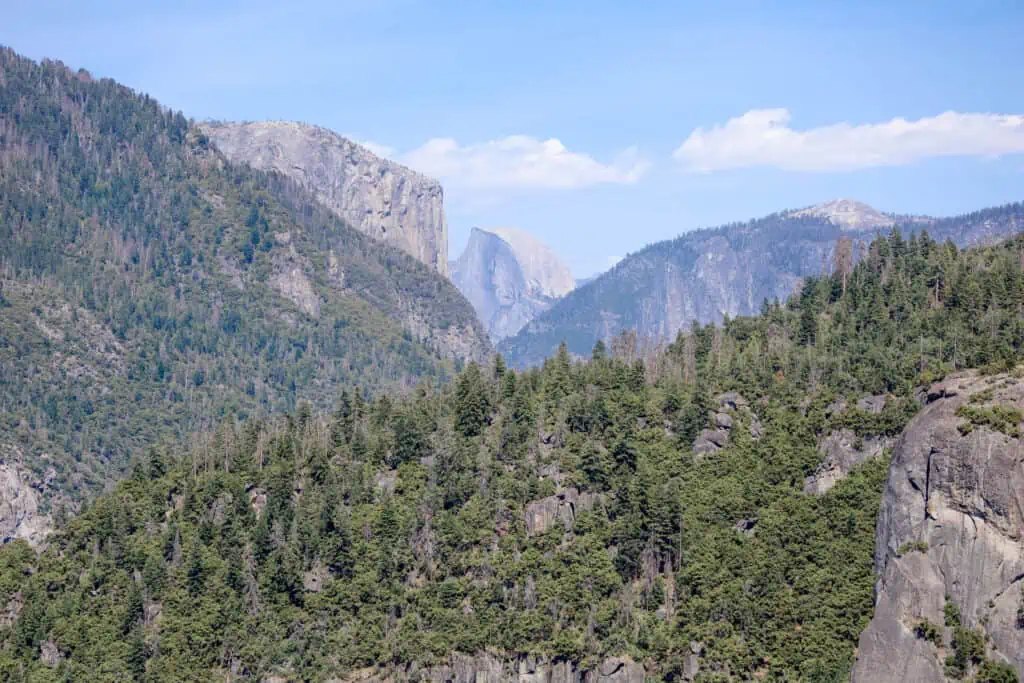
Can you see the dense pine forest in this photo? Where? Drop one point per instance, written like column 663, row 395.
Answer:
column 148, row 287
column 562, row 512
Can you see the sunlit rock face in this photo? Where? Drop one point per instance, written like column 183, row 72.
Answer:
column 378, row 197
column 510, row 277
column 950, row 530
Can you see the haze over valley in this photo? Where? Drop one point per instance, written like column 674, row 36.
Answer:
column 402, row 342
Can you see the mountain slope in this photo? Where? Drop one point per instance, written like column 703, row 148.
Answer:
column 378, row 197
column 708, row 274
column 569, row 523
column 150, row 288
column 510, row 277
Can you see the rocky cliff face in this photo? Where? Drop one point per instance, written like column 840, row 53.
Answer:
column 708, row 274
column 562, row 508
column 21, row 496
column 379, row 197
column 950, row 534
column 486, row 668
column 510, row 277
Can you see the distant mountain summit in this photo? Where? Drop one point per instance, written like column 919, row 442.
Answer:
column 378, row 197
column 509, row 276
column 705, row 275
column 848, row 214
column 544, row 271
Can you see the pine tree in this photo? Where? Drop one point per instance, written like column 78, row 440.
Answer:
column 472, row 406
column 157, row 463
column 694, row 416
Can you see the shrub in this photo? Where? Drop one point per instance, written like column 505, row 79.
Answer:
column 968, row 649
column 912, row 547
column 926, row 630
column 999, row 418
column 996, row 672
column 952, row 613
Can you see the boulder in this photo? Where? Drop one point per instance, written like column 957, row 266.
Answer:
column 385, row 481
column 22, row 495
column 842, row 451
column 731, row 406
column 732, row 400
column 872, row 404
column 488, row 668
column 710, row 441
column 542, row 515
column 257, row 500
column 50, row 654
column 746, row 526
column 723, row 421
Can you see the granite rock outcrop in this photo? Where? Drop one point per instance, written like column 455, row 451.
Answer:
column 950, row 530
column 377, row 196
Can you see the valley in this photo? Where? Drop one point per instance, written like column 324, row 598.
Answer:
column 258, row 424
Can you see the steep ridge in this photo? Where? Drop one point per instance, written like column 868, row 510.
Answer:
column 633, row 515
column 510, row 277
column 378, row 197
column 949, row 549
column 706, row 275
column 149, row 288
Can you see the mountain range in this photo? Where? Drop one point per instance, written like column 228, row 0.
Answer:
column 251, row 431
column 523, row 294
column 708, row 275
column 151, row 287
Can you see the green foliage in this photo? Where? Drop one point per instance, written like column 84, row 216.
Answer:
column 472, row 405
column 924, row 278
column 968, row 650
column 996, row 672
column 1000, row 418
column 912, row 547
column 395, row 530
column 145, row 283
column 926, row 630
column 951, row 612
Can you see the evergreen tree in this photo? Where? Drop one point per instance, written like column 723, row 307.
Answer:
column 472, row 405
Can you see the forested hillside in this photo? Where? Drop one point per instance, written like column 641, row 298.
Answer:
column 648, row 506
column 148, row 288
column 705, row 275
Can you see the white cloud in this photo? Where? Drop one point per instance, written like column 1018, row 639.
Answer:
column 762, row 137
column 514, row 162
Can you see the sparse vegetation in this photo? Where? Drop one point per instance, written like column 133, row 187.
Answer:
column 1000, row 418
column 968, row 651
column 926, row 630
column 912, row 547
column 992, row 671
column 951, row 611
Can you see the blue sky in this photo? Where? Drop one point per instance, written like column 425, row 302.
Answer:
column 568, row 119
